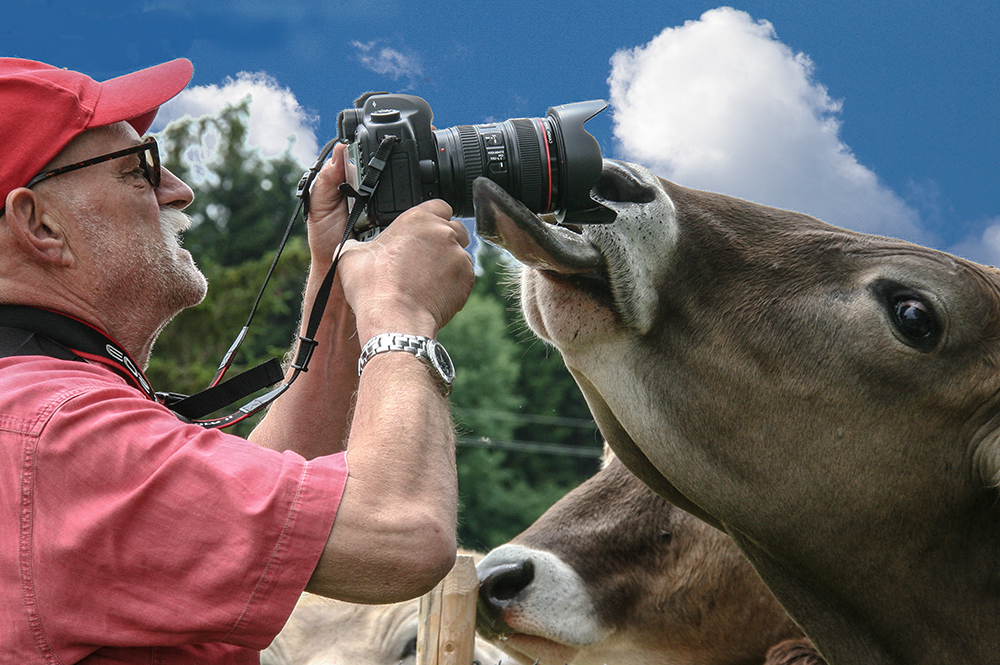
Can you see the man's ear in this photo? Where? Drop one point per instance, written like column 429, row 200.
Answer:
column 39, row 233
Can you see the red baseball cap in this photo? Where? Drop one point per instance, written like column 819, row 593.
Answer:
column 44, row 108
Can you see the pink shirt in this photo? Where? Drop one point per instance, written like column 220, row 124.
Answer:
column 127, row 536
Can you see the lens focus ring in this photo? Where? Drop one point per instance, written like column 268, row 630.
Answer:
column 532, row 183
column 472, row 158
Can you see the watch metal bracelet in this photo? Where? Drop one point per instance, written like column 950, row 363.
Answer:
column 425, row 348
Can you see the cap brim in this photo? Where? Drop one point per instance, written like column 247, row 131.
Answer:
column 136, row 97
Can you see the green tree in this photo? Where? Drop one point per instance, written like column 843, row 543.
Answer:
column 241, row 209
column 192, row 345
column 242, row 200
column 517, row 453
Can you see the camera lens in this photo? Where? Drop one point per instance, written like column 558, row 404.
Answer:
column 519, row 155
column 549, row 164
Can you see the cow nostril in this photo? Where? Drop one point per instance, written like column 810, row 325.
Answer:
column 621, row 186
column 506, row 581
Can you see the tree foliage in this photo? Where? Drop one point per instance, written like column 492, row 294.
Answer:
column 516, row 398
column 525, row 434
column 242, row 200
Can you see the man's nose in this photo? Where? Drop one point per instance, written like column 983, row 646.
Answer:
column 173, row 191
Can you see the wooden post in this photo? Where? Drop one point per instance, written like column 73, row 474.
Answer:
column 447, row 630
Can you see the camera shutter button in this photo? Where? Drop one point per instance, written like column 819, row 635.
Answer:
column 385, row 115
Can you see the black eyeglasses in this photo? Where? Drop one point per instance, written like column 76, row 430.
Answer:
column 149, row 162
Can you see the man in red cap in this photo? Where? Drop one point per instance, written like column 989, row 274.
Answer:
column 128, row 535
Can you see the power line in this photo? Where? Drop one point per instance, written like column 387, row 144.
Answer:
column 530, row 447
column 526, row 418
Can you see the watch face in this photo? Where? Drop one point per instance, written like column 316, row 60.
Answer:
column 443, row 361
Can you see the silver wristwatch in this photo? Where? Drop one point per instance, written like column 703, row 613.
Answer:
column 425, row 348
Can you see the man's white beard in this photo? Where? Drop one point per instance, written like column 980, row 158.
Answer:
column 173, row 222
column 190, row 280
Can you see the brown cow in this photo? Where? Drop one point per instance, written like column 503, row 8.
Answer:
column 613, row 573
column 829, row 399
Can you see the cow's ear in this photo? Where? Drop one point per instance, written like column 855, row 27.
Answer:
column 987, row 454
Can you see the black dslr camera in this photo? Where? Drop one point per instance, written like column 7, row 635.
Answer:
column 549, row 164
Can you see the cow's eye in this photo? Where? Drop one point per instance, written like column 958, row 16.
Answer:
column 409, row 649
column 916, row 321
column 911, row 313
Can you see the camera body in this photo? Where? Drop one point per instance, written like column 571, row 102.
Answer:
column 550, row 164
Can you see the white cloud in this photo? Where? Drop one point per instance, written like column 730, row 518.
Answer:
column 387, row 61
column 275, row 114
column 721, row 104
column 984, row 248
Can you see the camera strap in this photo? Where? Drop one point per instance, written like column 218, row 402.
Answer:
column 369, row 182
column 307, row 342
column 79, row 338
column 32, row 331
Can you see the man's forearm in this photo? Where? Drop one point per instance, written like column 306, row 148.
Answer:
column 399, row 507
column 313, row 416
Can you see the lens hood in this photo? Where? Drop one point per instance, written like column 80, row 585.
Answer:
column 583, row 162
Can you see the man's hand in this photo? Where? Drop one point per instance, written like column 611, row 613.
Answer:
column 327, row 210
column 413, row 277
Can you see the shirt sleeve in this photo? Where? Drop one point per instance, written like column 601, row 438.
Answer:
column 149, row 531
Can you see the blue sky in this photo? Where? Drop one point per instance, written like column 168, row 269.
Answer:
column 876, row 116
